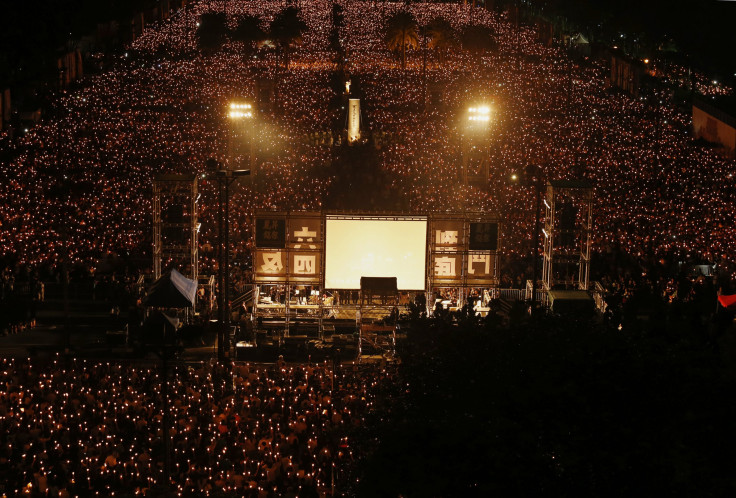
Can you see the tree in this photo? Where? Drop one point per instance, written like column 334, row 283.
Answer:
column 287, row 28
column 249, row 32
column 478, row 39
column 402, row 32
column 212, row 31
column 442, row 36
column 338, row 15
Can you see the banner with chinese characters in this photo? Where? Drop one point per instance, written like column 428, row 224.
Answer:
column 462, row 250
column 481, row 268
column 305, row 266
column 447, row 268
column 271, row 233
column 289, row 248
column 270, row 265
column 483, row 237
column 447, row 235
column 305, row 233
column 305, row 243
column 353, row 120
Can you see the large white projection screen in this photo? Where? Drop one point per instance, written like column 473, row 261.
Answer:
column 375, row 248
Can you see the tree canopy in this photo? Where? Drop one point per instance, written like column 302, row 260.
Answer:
column 212, row 31
column 249, row 31
column 286, row 30
column 442, row 36
column 402, row 32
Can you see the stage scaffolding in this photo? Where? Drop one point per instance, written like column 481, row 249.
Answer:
column 462, row 257
column 291, row 287
column 378, row 296
column 567, row 235
column 175, row 225
column 289, row 261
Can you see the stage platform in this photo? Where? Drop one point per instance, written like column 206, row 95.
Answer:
column 348, row 312
column 298, row 348
column 571, row 301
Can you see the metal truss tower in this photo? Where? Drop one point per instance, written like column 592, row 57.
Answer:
column 175, row 224
column 567, row 234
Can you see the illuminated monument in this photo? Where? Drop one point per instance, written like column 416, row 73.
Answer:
column 353, row 120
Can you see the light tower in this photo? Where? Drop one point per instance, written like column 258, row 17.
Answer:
column 241, row 136
column 475, row 148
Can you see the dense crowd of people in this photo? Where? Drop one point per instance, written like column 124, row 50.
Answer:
column 89, row 428
column 78, row 192
column 80, row 181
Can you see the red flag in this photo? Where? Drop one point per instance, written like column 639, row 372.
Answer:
column 728, row 302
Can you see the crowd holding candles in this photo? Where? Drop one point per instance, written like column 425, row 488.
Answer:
column 77, row 188
column 84, row 428
column 80, row 181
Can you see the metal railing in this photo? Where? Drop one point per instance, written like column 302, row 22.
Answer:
column 512, row 294
column 245, row 296
column 599, row 294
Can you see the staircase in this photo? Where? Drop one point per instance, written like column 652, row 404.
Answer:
column 246, row 297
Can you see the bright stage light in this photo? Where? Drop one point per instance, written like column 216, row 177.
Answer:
column 375, row 248
column 239, row 111
column 479, row 113
column 239, row 114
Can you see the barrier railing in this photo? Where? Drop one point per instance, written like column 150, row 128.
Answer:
column 599, row 294
column 245, row 296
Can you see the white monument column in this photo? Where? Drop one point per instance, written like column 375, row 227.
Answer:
column 353, row 120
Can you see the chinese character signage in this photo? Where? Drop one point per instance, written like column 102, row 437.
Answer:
column 270, row 264
column 447, row 267
column 462, row 250
column 447, row 234
column 304, row 233
column 305, row 249
column 353, row 120
column 483, row 236
column 446, row 237
column 305, row 266
column 481, row 267
column 271, row 233
column 288, row 248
